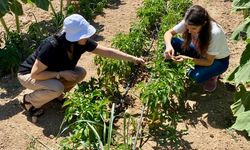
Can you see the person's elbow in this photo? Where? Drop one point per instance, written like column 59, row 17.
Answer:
column 209, row 63
column 168, row 33
column 33, row 75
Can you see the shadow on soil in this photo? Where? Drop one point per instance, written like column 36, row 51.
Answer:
column 9, row 87
column 51, row 120
column 208, row 109
column 213, row 107
column 9, row 109
column 167, row 138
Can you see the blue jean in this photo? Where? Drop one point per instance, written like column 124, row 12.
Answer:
column 200, row 74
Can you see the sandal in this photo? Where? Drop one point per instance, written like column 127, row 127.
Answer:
column 61, row 101
column 37, row 112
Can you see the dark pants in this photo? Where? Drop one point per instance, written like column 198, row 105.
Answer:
column 200, row 73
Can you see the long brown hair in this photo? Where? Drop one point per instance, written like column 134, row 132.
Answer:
column 198, row 16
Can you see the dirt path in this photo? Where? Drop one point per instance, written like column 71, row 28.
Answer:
column 115, row 19
column 207, row 120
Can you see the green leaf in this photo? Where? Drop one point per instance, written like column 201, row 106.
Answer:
column 244, row 96
column 4, row 7
column 242, row 101
column 16, row 8
column 237, row 108
column 241, row 4
column 24, row 1
column 243, row 122
column 97, row 136
column 241, row 74
column 243, row 27
column 43, row 4
column 245, row 56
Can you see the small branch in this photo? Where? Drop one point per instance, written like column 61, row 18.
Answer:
column 17, row 23
column 33, row 15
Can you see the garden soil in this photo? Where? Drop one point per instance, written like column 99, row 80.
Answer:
column 207, row 119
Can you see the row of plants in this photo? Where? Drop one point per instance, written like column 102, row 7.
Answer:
column 87, row 116
column 163, row 92
column 240, row 77
column 165, row 79
column 112, row 71
column 88, row 8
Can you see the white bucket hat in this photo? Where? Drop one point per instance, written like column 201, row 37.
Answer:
column 76, row 28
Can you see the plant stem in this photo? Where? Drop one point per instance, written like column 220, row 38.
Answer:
column 52, row 8
column 4, row 25
column 138, row 127
column 124, row 128
column 97, row 136
column 111, row 126
column 17, row 23
column 61, row 7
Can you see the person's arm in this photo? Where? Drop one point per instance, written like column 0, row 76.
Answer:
column 168, row 36
column 179, row 28
column 38, row 72
column 206, row 61
column 116, row 54
column 169, row 51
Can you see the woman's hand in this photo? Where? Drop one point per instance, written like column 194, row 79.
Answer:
column 68, row 75
column 180, row 58
column 137, row 60
column 169, row 52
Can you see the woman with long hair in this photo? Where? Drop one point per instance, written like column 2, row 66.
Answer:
column 203, row 42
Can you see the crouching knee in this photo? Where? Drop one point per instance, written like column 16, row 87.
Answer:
column 197, row 77
column 58, row 88
column 81, row 73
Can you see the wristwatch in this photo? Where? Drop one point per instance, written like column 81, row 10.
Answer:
column 58, row 75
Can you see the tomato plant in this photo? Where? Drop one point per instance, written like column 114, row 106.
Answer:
column 87, row 105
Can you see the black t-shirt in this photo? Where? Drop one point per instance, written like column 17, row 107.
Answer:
column 55, row 56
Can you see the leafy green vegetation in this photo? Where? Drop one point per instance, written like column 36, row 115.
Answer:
column 17, row 48
column 87, row 113
column 88, row 8
column 243, row 29
column 240, row 77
